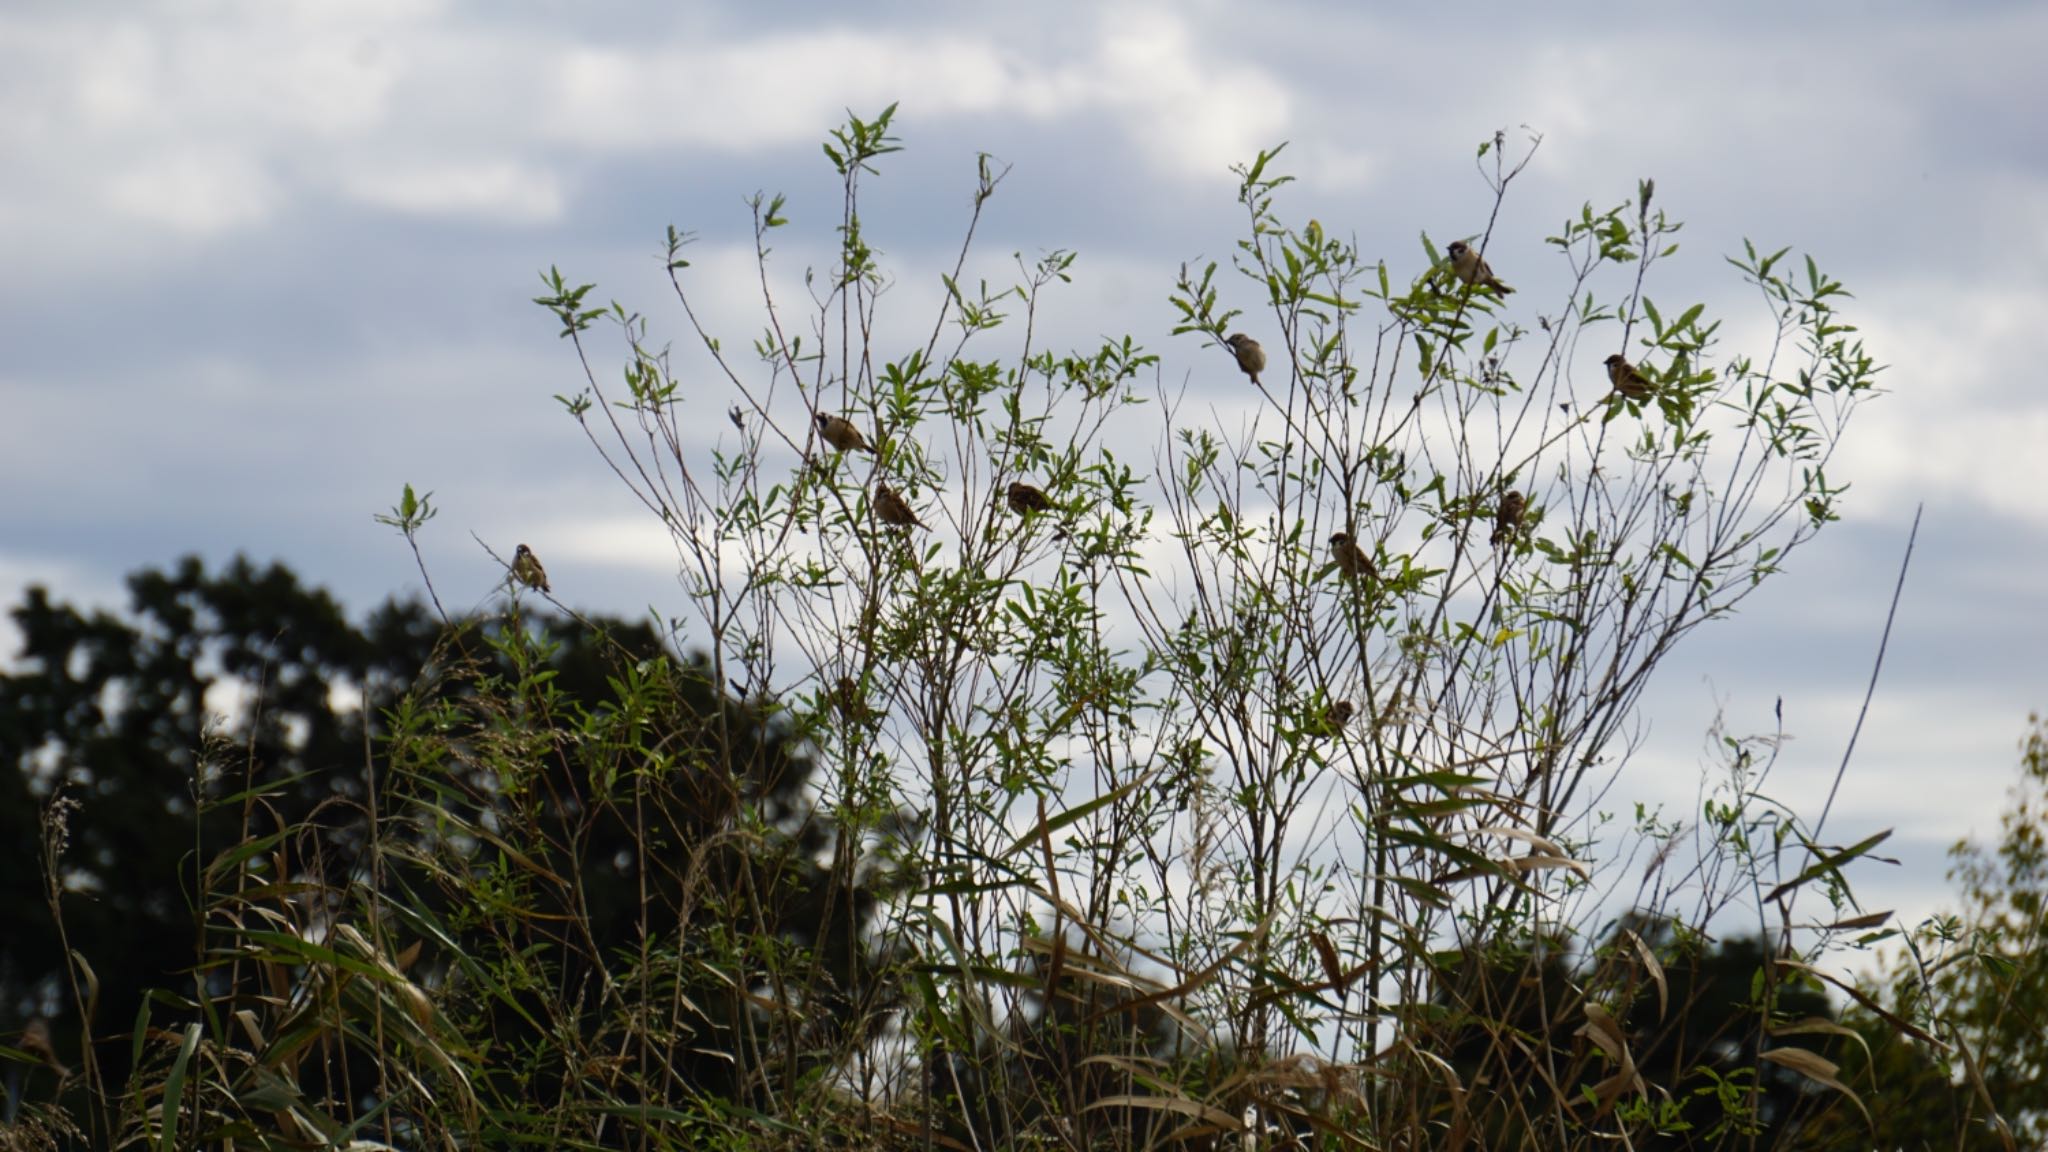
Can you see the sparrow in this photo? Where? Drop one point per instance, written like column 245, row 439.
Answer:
column 1250, row 356
column 846, row 699
column 893, row 510
column 1508, row 519
column 1025, row 499
column 526, row 566
column 1472, row 268
column 1351, row 559
column 1336, row 716
column 1631, row 383
column 840, row 433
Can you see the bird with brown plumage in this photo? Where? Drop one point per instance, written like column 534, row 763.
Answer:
column 892, row 509
column 526, row 566
column 1024, row 499
column 1472, row 268
column 1628, row 380
column 1507, row 519
column 841, row 434
column 1352, row 562
column 1251, row 358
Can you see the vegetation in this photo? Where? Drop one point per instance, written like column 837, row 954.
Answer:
column 1125, row 810
column 1957, row 1030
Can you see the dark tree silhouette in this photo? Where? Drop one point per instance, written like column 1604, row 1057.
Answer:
column 683, row 853
column 209, row 684
column 1518, row 1013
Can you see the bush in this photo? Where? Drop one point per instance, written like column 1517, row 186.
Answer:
column 1120, row 809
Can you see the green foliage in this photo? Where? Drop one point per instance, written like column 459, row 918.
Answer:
column 111, row 730
column 1163, row 736
column 1141, row 820
column 1964, row 1022
column 568, row 845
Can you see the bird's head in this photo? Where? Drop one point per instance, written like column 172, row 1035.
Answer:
column 521, row 552
column 1340, row 539
column 824, row 421
column 1458, row 249
column 1615, row 361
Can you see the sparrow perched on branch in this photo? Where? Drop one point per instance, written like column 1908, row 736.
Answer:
column 1025, row 499
column 846, row 699
column 1472, row 268
column 1336, row 716
column 1351, row 559
column 1631, row 383
column 894, row 510
column 526, row 566
column 840, row 433
column 1250, row 356
column 1508, row 519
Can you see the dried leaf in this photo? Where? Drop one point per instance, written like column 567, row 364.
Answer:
column 1175, row 1104
column 1333, row 965
column 1880, row 1011
column 1817, row 1025
column 1605, row 1032
column 1655, row 969
column 1546, row 847
column 1543, row 863
column 1816, row 1068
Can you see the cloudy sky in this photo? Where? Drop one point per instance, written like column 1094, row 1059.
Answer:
column 268, row 261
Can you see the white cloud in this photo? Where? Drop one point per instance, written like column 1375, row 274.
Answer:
column 1963, row 736
column 194, row 191
column 1187, row 107
column 490, row 187
column 202, row 120
column 627, row 541
column 1192, row 112
column 1963, row 420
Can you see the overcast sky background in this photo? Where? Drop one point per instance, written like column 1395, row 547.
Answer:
column 268, row 261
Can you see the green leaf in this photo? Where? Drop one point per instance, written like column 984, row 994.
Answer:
column 1829, row 863
column 174, row 1090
